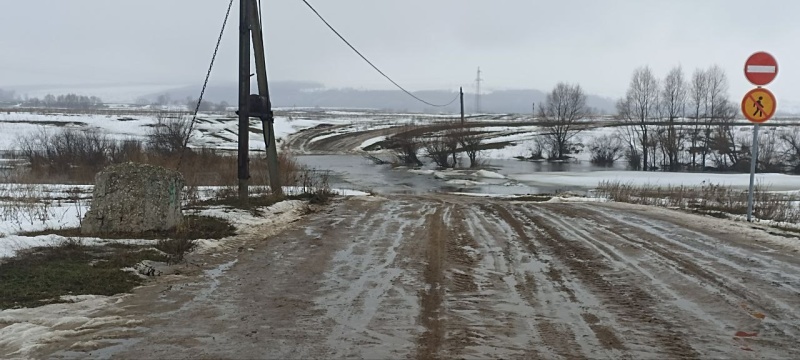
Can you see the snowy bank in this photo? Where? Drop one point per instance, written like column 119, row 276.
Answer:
column 591, row 179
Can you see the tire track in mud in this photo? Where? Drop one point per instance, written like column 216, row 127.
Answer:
column 430, row 342
column 629, row 301
column 734, row 306
column 482, row 315
column 369, row 292
column 563, row 337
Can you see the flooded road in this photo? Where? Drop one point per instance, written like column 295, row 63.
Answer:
column 446, row 277
column 359, row 173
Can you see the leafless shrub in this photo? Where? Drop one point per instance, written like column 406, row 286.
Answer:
column 406, row 146
column 606, row 150
column 76, row 152
column 168, row 135
column 315, row 186
column 537, row 149
column 471, row 144
column 438, row 150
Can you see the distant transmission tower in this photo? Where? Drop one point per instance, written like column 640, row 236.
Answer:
column 478, row 92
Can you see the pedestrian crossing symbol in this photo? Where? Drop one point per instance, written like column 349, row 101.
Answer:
column 758, row 105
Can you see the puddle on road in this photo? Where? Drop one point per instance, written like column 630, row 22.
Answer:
column 214, row 275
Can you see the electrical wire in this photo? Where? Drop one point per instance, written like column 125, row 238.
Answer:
column 373, row 65
column 205, row 84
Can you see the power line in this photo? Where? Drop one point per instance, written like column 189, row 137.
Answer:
column 373, row 65
column 205, row 84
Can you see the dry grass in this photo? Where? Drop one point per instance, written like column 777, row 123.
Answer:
column 75, row 157
column 707, row 198
column 42, row 275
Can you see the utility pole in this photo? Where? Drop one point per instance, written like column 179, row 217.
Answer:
column 267, row 117
column 478, row 92
column 244, row 103
column 461, row 94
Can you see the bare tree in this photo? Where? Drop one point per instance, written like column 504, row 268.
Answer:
column 729, row 149
column 406, row 146
column 470, row 141
column 169, row 133
column 716, row 104
column 438, row 150
column 698, row 95
column 564, row 107
column 639, row 106
column 452, row 140
column 791, row 140
column 673, row 102
column 629, row 136
column 770, row 155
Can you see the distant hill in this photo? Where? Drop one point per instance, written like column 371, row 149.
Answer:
column 310, row 94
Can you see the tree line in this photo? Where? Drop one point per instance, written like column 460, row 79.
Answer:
column 68, row 101
column 189, row 102
column 695, row 127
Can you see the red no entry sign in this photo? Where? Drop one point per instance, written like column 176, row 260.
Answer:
column 761, row 68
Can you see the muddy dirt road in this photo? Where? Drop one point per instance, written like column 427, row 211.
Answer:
column 454, row 277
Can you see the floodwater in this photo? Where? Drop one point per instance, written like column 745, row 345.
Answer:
column 359, row 173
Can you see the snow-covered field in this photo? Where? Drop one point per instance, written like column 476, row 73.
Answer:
column 213, row 131
column 590, row 179
column 218, row 131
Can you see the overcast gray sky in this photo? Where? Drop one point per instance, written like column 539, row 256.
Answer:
column 423, row 44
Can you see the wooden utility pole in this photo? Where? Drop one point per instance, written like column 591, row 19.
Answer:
column 267, row 118
column 461, row 94
column 244, row 103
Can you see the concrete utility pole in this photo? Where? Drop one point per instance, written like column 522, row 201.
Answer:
column 254, row 105
column 461, row 94
column 267, row 119
column 244, row 103
column 478, row 92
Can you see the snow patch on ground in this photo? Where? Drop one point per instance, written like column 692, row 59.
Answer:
column 489, row 174
column 575, row 199
column 270, row 221
column 31, row 328
column 370, row 142
column 323, row 137
column 422, row 172
column 10, row 245
column 464, row 182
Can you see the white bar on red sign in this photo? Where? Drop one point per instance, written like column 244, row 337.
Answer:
column 760, row 69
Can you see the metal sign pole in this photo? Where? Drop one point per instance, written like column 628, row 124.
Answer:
column 753, row 162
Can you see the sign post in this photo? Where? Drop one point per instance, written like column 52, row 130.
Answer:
column 753, row 161
column 758, row 106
